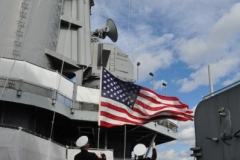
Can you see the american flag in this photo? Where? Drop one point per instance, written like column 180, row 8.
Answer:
column 126, row 103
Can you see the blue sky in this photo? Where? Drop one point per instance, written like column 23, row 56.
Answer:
column 177, row 40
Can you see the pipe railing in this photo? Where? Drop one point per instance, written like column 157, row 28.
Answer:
column 222, row 89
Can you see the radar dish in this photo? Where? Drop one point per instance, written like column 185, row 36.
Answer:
column 112, row 33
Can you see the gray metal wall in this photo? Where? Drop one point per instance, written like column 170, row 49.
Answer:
column 75, row 44
column 28, row 27
column 218, row 117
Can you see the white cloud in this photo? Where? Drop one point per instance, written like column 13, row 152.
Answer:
column 217, row 49
column 218, row 70
column 226, row 27
column 167, row 155
column 186, row 132
column 159, row 41
column 174, row 155
column 235, row 78
column 203, row 49
column 207, row 49
column 184, row 155
column 187, row 124
column 187, row 136
column 151, row 62
column 159, row 85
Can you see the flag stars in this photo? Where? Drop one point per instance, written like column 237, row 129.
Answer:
column 120, row 91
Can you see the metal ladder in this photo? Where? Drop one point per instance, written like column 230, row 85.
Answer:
column 56, row 24
column 112, row 61
column 20, row 30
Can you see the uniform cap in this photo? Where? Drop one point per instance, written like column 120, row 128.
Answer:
column 139, row 149
column 82, row 141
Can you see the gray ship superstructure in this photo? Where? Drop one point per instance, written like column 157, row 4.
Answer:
column 216, row 124
column 49, row 75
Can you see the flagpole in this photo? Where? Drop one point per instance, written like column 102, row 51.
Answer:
column 106, row 135
column 99, row 106
column 100, row 94
column 124, row 151
column 98, row 137
column 150, row 145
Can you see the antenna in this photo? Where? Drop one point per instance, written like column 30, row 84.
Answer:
column 113, row 33
column 109, row 30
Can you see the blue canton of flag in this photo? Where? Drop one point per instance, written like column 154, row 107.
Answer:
column 120, row 91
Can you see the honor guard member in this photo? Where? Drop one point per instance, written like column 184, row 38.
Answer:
column 82, row 142
column 140, row 149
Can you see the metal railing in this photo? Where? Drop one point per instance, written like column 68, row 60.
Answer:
column 168, row 124
column 222, row 89
column 64, row 100
column 23, row 86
